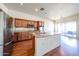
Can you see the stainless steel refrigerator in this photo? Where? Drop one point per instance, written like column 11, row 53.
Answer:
column 7, row 34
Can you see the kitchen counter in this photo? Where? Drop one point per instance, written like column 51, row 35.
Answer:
column 45, row 43
column 44, row 35
column 22, row 29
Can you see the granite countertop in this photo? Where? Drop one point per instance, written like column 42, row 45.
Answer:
column 22, row 29
column 44, row 35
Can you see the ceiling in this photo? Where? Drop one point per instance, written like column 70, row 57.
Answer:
column 52, row 10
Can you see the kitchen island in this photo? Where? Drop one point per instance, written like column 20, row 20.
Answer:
column 45, row 43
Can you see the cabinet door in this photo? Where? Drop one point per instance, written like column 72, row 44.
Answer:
column 24, row 23
column 19, row 36
column 15, row 37
column 24, row 36
column 35, row 24
column 18, row 23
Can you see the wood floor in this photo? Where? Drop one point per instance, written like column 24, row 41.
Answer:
column 68, row 47
column 23, row 48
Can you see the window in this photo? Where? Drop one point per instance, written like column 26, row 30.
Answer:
column 68, row 28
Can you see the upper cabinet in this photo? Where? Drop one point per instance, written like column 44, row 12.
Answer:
column 22, row 23
column 35, row 24
column 18, row 23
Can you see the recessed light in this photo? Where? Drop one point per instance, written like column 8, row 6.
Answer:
column 36, row 9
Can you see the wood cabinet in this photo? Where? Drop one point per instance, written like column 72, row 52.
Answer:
column 26, row 36
column 24, row 23
column 18, row 23
column 19, row 36
column 15, row 36
column 35, row 24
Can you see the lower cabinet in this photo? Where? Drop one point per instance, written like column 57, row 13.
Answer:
column 18, row 36
column 15, row 37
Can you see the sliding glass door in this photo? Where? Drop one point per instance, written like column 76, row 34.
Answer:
column 67, row 28
column 70, row 29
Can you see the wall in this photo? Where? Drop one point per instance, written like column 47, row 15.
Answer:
column 77, row 26
column 1, row 33
column 68, row 19
column 49, row 26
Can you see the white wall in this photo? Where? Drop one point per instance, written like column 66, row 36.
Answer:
column 1, row 33
column 68, row 19
column 49, row 26
column 77, row 26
